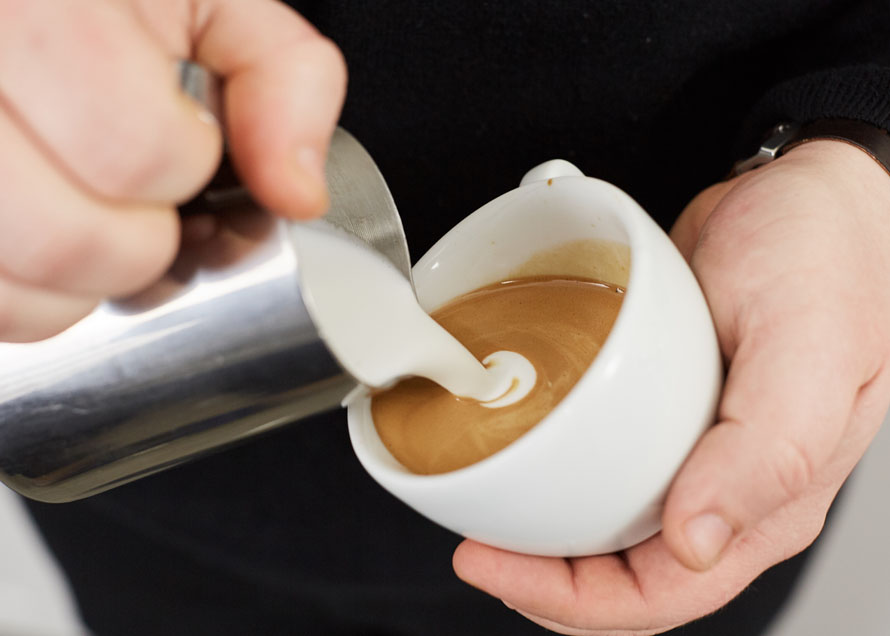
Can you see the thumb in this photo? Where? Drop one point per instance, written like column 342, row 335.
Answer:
column 784, row 410
column 688, row 225
column 284, row 87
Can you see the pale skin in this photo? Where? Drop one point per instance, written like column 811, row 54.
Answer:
column 99, row 144
column 793, row 259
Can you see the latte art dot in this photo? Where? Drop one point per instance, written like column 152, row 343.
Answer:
column 519, row 373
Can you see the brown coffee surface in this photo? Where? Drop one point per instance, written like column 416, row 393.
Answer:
column 557, row 323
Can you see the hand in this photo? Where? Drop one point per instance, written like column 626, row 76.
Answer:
column 98, row 144
column 794, row 259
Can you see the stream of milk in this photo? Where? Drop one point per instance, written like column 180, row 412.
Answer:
column 366, row 312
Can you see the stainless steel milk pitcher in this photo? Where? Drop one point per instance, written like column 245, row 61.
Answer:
column 220, row 349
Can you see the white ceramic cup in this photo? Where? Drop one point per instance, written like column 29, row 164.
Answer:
column 591, row 477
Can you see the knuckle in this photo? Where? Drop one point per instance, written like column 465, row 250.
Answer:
column 35, row 332
column 53, row 258
column 120, row 144
column 147, row 263
column 793, row 466
column 322, row 60
column 130, row 159
column 335, row 58
column 20, row 321
column 69, row 312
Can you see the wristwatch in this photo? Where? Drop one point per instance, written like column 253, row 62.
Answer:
column 872, row 140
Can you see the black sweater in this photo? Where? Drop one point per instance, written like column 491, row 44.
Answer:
column 660, row 97
column 286, row 534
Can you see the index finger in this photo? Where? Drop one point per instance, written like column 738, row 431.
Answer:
column 284, row 87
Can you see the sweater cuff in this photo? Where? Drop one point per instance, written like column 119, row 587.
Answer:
column 860, row 93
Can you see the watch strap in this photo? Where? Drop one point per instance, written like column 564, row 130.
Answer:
column 870, row 139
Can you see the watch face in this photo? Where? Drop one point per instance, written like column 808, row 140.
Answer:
column 776, row 140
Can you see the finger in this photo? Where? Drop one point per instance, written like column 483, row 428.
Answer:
column 786, row 405
column 553, row 588
column 687, row 228
column 52, row 234
column 560, row 628
column 98, row 94
column 644, row 591
column 285, row 85
column 28, row 313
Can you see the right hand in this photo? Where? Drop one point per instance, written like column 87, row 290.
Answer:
column 98, row 144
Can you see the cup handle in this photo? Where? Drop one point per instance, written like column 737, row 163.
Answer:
column 552, row 169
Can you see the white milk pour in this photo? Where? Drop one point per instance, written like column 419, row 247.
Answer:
column 367, row 314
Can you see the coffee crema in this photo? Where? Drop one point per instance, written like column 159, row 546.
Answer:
column 557, row 323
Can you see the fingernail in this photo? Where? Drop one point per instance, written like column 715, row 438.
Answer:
column 707, row 535
column 310, row 178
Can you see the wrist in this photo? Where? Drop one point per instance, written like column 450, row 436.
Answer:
column 872, row 140
column 839, row 161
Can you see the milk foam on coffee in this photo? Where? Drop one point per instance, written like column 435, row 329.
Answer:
column 368, row 315
column 557, row 323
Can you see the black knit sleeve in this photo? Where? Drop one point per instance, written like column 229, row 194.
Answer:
column 841, row 70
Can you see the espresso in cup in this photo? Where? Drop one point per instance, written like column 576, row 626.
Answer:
column 558, row 323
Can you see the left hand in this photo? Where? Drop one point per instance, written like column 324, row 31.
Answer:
column 794, row 259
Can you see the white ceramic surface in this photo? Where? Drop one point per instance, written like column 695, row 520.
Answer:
column 591, row 477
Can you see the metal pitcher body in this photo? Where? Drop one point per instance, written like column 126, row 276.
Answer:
column 218, row 350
